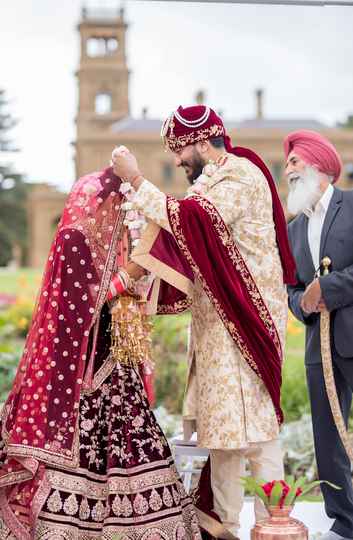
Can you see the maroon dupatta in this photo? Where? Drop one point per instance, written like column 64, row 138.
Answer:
column 39, row 420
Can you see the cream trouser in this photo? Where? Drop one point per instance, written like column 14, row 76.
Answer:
column 228, row 466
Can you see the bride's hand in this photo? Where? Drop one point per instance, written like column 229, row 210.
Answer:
column 125, row 164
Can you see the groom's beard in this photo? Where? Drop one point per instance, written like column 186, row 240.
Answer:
column 304, row 190
column 193, row 166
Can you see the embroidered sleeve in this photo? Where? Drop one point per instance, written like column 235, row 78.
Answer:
column 232, row 197
column 153, row 203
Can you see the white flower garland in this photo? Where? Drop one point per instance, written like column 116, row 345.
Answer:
column 134, row 219
column 201, row 182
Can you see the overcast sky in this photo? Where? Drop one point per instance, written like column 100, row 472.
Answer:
column 301, row 56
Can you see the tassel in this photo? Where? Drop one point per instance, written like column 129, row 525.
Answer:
column 130, row 332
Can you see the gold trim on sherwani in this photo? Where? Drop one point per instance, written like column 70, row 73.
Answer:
column 142, row 256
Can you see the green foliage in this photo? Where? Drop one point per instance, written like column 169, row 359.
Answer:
column 298, row 446
column 24, row 281
column 5, row 245
column 348, row 123
column 10, row 352
column 169, row 355
column 13, row 193
column 18, row 316
column 294, row 399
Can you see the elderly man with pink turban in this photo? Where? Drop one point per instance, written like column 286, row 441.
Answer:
column 323, row 227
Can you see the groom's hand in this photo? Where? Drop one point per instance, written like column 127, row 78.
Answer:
column 135, row 271
column 125, row 164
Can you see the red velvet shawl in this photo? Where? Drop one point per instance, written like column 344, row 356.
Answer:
column 206, row 250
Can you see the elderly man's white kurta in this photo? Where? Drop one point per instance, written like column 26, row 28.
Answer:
column 228, row 401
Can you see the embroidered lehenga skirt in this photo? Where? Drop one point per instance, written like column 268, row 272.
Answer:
column 127, row 486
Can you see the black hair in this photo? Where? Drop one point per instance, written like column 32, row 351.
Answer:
column 217, row 142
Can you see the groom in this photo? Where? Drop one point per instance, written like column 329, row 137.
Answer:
column 223, row 251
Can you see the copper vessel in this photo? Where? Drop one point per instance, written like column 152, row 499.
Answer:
column 280, row 526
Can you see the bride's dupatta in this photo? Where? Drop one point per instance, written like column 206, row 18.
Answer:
column 39, row 420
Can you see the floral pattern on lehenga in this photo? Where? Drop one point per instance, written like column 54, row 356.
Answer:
column 126, row 485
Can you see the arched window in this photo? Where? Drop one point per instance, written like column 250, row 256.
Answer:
column 103, row 104
column 95, row 47
column 111, row 45
column 101, row 46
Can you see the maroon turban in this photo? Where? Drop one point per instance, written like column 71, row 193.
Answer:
column 314, row 149
column 190, row 125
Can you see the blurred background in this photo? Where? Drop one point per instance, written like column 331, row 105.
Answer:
column 78, row 78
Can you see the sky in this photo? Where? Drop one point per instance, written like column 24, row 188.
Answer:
column 301, row 56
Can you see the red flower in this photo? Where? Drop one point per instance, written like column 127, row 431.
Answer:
column 285, row 491
column 298, row 492
column 267, row 488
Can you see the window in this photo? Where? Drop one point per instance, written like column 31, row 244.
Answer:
column 111, row 45
column 167, row 171
column 103, row 103
column 101, row 46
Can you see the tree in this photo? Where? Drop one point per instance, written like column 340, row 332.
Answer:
column 13, row 192
column 348, row 123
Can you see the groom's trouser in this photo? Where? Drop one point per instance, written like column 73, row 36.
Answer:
column 228, row 466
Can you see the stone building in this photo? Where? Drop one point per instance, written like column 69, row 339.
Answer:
column 104, row 121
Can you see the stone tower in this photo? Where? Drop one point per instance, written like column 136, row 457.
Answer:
column 103, row 83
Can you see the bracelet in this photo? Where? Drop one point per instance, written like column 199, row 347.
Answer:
column 124, row 277
column 117, row 286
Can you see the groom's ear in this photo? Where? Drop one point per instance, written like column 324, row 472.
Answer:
column 202, row 147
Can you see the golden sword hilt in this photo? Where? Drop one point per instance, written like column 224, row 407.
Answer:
column 326, row 263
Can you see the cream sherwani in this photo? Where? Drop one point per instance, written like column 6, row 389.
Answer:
column 229, row 403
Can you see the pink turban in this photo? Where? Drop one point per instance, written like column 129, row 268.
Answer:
column 314, row 149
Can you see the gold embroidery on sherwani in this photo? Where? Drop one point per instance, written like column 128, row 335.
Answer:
column 241, row 268
column 230, row 403
column 142, row 256
column 173, row 309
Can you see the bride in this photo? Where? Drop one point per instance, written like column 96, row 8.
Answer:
column 81, row 454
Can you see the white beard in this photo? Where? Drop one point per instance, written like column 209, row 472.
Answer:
column 304, row 192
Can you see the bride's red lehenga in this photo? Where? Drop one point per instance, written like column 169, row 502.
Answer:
column 81, row 454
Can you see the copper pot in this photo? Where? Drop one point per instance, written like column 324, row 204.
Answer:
column 279, row 526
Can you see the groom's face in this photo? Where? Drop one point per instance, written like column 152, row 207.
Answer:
column 191, row 161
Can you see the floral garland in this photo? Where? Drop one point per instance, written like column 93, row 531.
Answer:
column 136, row 222
column 199, row 187
column 134, row 219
